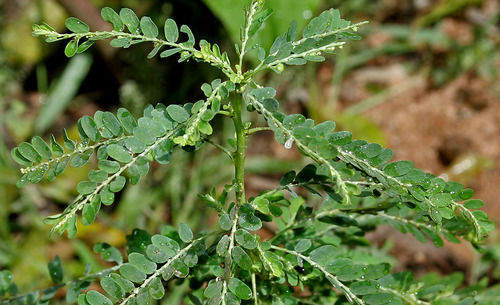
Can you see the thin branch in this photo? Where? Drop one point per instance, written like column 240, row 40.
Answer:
column 257, row 129
column 208, row 58
column 330, row 33
column 159, row 272
column 334, row 280
column 192, row 124
column 254, row 7
column 410, row 299
column 81, row 200
column 79, row 150
column 220, row 147
column 341, row 186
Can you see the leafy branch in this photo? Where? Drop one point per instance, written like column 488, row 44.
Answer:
column 159, row 272
column 291, row 137
column 143, row 30
column 67, row 220
column 351, row 297
column 399, row 179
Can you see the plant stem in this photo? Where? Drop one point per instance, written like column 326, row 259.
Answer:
column 241, row 145
column 239, row 177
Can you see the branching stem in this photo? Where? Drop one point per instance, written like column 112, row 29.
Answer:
column 71, row 154
column 213, row 60
column 338, row 284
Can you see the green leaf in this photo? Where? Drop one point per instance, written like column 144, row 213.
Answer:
column 250, row 222
column 107, row 197
column 181, row 269
column 112, row 288
column 441, row 199
column 97, row 176
column 70, row 144
column 142, row 298
column 41, row 147
column 205, row 127
column 466, row 194
column 225, row 222
column 245, row 239
column 157, row 254
column 117, row 184
column 303, row 245
column 86, row 187
column 82, row 300
column 109, row 166
column 135, row 145
column 178, row 113
column 350, row 272
column 142, row 263
column 55, row 270
column 108, row 14
column 171, row 31
column 80, row 160
column 382, row 299
column 170, row 52
column 90, row 210
column 148, row 27
column 108, row 252
column 96, row 298
column 119, row 153
column 154, row 127
column 130, row 19
column 132, row 273
column 185, row 233
column 241, row 258
column 125, row 284
column 474, row 204
column 75, row 25
column 222, row 246
column 156, row 289
column 398, row 168
column 170, row 246
column 322, row 254
column 214, row 288
column 19, row 158
column 111, row 123
column 376, row 271
column 240, row 289
column 127, row 120
column 121, row 42
column 90, row 128
column 190, row 42
column 84, row 46
column 6, row 280
column 365, row 287
column 28, row 152
column 261, row 204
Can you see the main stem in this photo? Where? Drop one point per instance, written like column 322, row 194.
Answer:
column 239, row 173
column 241, row 145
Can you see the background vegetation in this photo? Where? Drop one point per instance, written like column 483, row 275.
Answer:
column 426, row 72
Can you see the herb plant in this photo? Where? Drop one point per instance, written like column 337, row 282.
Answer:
column 318, row 254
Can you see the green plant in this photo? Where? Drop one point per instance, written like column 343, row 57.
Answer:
column 318, row 254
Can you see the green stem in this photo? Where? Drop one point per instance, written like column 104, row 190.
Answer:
column 241, row 145
column 239, row 177
column 257, row 129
